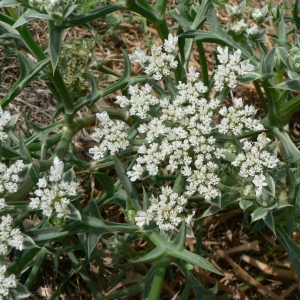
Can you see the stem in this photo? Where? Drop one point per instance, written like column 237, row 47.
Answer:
column 261, row 97
column 66, row 137
column 203, row 63
column 158, row 280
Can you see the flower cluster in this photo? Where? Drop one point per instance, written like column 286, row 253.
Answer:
column 239, row 27
column 230, row 68
column 254, row 161
column 53, row 197
column 181, row 135
column 252, row 31
column 6, row 283
column 9, row 236
column 162, row 59
column 238, row 118
column 5, row 117
column 166, row 210
column 111, row 136
column 257, row 14
column 140, row 102
column 9, row 179
column 235, row 10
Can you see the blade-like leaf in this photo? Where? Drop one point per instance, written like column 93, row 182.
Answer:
column 54, row 44
column 106, row 182
column 127, row 184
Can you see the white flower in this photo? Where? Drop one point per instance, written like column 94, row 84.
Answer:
column 6, row 283
column 112, row 136
column 56, row 170
column 2, row 203
column 170, row 43
column 223, row 54
column 166, row 210
column 252, row 31
column 9, row 236
column 53, row 197
column 259, row 181
column 139, row 56
column 230, row 68
column 238, row 118
column 136, row 173
column 257, row 14
column 239, row 27
column 142, row 218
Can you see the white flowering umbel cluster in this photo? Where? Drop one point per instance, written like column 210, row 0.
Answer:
column 6, row 283
column 254, row 161
column 5, row 117
column 180, row 139
column 181, row 134
column 167, row 210
column 9, row 179
column 53, row 195
column 140, row 102
column 230, row 68
column 162, row 59
column 111, row 136
column 238, row 118
column 9, row 236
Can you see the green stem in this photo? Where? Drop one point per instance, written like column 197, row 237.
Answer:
column 158, row 280
column 66, row 137
column 203, row 63
column 261, row 96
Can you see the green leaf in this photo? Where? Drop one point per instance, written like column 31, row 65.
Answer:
column 290, row 247
column 244, row 204
column 181, row 20
column 92, row 241
column 20, row 291
column 269, row 220
column 226, row 199
column 39, row 258
column 106, row 182
column 127, row 184
column 28, row 243
column 156, row 254
column 8, row 3
column 282, row 40
column 290, row 85
column 267, row 62
column 195, row 260
column 283, row 54
column 93, row 15
column 93, row 209
column 55, row 39
column 29, row 15
column 74, row 213
column 251, row 76
column 258, row 214
column 28, row 72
